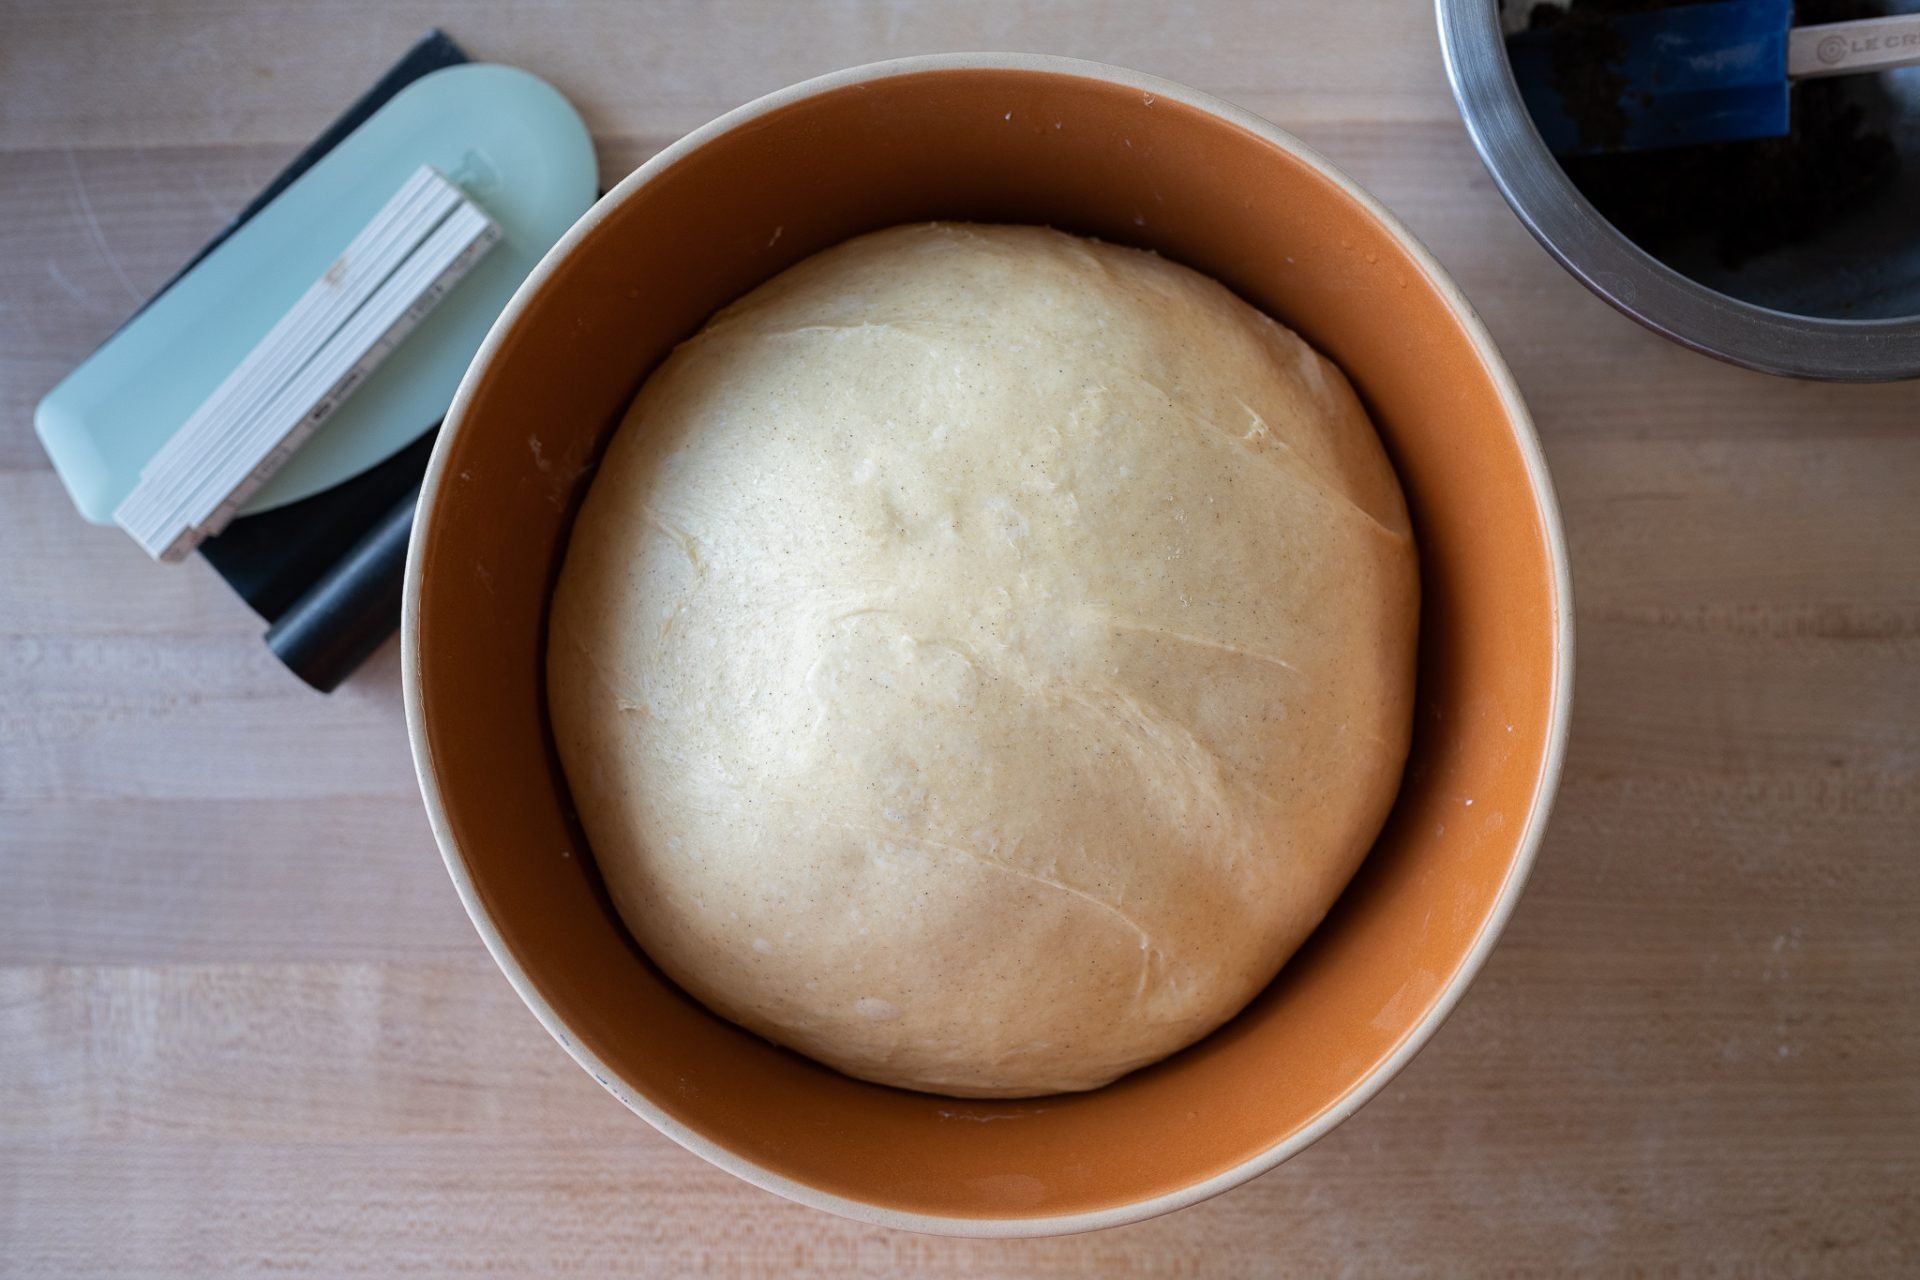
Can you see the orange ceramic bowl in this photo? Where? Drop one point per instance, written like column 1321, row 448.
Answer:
column 1091, row 149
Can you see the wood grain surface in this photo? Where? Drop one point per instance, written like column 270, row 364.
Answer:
column 246, row 1029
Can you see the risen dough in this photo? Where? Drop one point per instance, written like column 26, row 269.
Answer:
column 984, row 656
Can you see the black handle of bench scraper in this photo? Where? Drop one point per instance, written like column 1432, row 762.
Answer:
column 351, row 610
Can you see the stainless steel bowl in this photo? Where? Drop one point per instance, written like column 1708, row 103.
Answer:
column 1796, row 333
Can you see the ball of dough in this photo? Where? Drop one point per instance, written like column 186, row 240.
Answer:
column 983, row 657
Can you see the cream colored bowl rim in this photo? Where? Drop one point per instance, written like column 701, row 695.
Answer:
column 1546, row 785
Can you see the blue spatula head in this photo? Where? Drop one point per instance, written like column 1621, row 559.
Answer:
column 1667, row 78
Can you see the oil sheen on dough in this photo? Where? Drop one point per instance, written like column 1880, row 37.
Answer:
column 983, row 657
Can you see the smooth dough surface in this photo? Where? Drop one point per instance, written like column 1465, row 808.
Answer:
column 983, row 657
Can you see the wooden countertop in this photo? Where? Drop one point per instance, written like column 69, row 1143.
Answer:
column 245, row 1027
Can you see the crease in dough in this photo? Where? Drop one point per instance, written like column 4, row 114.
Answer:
column 1271, row 449
column 688, row 544
column 1186, row 637
column 1139, row 931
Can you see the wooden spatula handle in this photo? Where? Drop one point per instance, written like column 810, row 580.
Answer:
column 1843, row 48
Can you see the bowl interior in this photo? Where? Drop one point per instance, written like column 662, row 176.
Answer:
column 1863, row 266
column 1860, row 264
column 1014, row 143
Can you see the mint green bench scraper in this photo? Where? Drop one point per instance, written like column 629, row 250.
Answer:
column 509, row 140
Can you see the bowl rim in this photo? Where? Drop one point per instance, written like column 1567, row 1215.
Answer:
column 1620, row 272
column 1527, row 847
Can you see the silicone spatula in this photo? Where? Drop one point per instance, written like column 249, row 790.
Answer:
column 1696, row 74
